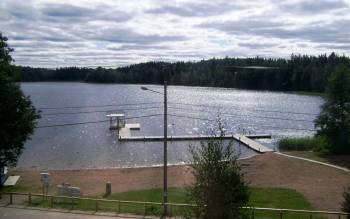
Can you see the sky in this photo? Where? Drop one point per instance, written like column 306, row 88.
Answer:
column 112, row 33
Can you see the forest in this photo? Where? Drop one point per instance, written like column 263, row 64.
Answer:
column 297, row 73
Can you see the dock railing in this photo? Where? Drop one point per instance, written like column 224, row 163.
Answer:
column 150, row 208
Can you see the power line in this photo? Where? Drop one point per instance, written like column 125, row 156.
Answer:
column 91, row 106
column 273, row 127
column 230, row 114
column 91, row 122
column 99, row 111
column 257, row 110
column 149, row 103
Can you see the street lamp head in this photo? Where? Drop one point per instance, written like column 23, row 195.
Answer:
column 144, row 88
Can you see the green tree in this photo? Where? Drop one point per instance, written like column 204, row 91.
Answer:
column 5, row 57
column 17, row 114
column 219, row 188
column 334, row 119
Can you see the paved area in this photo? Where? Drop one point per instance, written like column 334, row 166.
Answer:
column 24, row 213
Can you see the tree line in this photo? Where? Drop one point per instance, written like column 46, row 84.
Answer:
column 298, row 73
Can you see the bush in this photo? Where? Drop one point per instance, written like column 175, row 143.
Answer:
column 346, row 202
column 318, row 144
column 219, row 188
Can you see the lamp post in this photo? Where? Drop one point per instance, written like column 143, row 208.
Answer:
column 165, row 148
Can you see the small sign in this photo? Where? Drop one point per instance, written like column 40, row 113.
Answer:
column 45, row 178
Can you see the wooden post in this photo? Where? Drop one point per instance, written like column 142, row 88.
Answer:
column 29, row 199
column 281, row 214
column 165, row 155
column 119, row 207
column 51, row 202
column 145, row 213
column 96, row 206
column 72, row 204
column 117, row 126
column 11, row 201
column 170, row 211
column 108, row 188
column 253, row 214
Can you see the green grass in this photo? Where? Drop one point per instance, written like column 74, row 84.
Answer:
column 303, row 144
column 260, row 197
column 278, row 198
column 17, row 188
column 176, row 195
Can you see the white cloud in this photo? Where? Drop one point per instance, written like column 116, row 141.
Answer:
column 89, row 33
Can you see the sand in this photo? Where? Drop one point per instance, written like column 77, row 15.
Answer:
column 321, row 185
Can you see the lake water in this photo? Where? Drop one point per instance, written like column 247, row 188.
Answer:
column 95, row 146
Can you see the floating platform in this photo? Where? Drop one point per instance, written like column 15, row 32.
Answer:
column 126, row 130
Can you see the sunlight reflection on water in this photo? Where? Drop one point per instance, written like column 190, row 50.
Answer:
column 94, row 146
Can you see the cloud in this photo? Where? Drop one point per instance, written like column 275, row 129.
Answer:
column 257, row 45
column 337, row 31
column 101, row 12
column 136, row 47
column 312, row 7
column 65, row 10
column 203, row 9
column 122, row 35
column 117, row 32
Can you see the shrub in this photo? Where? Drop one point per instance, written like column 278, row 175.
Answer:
column 219, row 188
column 318, row 144
column 346, row 202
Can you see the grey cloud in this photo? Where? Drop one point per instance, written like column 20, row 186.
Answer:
column 137, row 47
column 257, row 45
column 16, row 9
column 53, row 12
column 61, row 12
column 65, row 10
column 122, row 35
column 196, row 9
column 243, row 26
column 337, row 31
column 335, row 46
column 312, row 7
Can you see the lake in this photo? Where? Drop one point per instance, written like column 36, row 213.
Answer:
column 192, row 110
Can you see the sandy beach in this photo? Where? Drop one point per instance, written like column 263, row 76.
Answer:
column 321, row 185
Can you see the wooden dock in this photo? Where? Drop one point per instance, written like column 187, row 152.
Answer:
column 247, row 140
column 244, row 139
column 123, row 136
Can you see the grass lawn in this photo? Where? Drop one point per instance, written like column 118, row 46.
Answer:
column 339, row 160
column 260, row 197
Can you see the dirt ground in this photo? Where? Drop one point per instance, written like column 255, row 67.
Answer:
column 322, row 186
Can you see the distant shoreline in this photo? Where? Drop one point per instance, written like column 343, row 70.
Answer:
column 304, row 93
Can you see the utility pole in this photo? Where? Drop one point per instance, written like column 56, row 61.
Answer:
column 165, row 192
column 165, row 149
